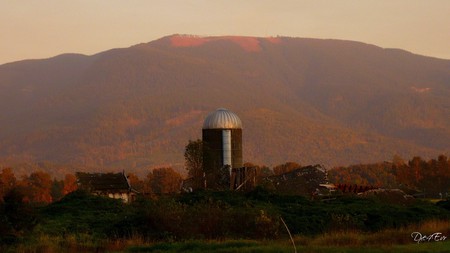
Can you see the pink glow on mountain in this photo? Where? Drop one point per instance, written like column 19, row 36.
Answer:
column 249, row 44
column 187, row 41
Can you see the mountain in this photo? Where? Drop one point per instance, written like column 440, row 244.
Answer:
column 312, row 101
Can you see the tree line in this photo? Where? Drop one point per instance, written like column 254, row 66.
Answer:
column 39, row 187
column 428, row 177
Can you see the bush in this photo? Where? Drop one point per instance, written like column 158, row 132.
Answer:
column 217, row 215
column 82, row 213
column 444, row 204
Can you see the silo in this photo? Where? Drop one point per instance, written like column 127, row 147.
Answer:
column 222, row 139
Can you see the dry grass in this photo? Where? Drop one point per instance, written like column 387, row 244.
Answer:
column 390, row 240
column 386, row 237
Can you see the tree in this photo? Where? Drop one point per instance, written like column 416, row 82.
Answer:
column 57, row 189
column 37, row 187
column 18, row 214
column 135, row 182
column 262, row 172
column 147, row 188
column 286, row 167
column 165, row 180
column 398, row 161
column 193, row 156
column 70, row 184
column 443, row 173
column 417, row 166
column 7, row 182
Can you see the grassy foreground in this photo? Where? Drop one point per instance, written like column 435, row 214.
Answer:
column 276, row 246
column 221, row 222
column 390, row 240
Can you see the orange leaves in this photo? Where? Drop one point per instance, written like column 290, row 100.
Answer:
column 37, row 187
column 165, row 180
column 286, row 167
column 7, row 182
column 70, row 184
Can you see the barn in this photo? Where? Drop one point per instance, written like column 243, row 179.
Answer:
column 112, row 185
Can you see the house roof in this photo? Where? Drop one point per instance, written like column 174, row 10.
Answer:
column 103, row 181
column 302, row 181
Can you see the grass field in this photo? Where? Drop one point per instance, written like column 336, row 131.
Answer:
column 278, row 246
column 222, row 222
column 391, row 240
column 230, row 246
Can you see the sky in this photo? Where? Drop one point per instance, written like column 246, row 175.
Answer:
column 35, row 29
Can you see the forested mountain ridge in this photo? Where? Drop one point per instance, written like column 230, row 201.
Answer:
column 307, row 100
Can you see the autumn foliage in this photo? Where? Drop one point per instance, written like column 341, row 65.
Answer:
column 417, row 176
column 430, row 178
column 158, row 215
column 39, row 187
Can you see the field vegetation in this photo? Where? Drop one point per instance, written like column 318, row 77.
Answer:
column 41, row 214
column 220, row 222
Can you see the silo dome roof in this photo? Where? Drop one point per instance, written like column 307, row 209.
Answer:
column 222, row 119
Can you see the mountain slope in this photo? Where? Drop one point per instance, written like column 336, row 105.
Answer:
column 313, row 101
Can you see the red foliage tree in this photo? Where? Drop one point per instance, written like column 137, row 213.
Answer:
column 7, row 182
column 135, row 182
column 37, row 187
column 165, row 180
column 70, row 184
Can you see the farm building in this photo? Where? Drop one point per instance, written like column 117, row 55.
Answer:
column 306, row 181
column 112, row 185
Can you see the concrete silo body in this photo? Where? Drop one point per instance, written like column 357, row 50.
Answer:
column 222, row 139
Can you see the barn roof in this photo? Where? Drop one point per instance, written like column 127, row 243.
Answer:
column 103, row 181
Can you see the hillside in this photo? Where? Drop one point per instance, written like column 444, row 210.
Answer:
column 307, row 100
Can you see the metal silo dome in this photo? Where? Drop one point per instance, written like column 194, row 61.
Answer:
column 222, row 119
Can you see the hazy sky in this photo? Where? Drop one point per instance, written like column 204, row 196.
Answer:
column 45, row 28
